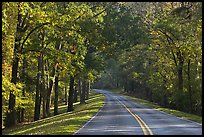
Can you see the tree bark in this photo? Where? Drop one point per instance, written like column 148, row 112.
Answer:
column 65, row 95
column 75, row 94
column 44, row 93
column 40, row 87
column 189, row 87
column 80, row 89
column 12, row 98
column 83, row 93
column 88, row 89
column 37, row 96
column 71, row 92
column 49, row 91
column 24, row 88
column 18, row 115
column 11, row 115
column 180, row 72
column 56, row 96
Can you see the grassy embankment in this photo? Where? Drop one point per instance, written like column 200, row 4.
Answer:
column 65, row 122
column 177, row 113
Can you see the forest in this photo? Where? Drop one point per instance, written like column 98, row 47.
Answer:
column 54, row 53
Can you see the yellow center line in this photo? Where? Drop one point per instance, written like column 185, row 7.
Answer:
column 141, row 125
column 139, row 120
column 150, row 131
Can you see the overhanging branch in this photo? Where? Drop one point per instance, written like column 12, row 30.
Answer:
column 169, row 38
column 32, row 32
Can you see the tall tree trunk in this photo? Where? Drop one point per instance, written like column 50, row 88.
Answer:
column 180, row 78
column 180, row 72
column 117, row 81
column 71, row 93
column 49, row 91
column 18, row 115
column 189, row 87
column 179, row 103
column 11, row 120
column 23, row 109
column 88, row 88
column 75, row 94
column 126, row 85
column 56, row 95
column 43, row 91
column 24, row 87
column 44, row 95
column 80, row 89
column 40, row 87
column 65, row 95
column 46, row 91
column 41, row 96
column 11, row 114
column 37, row 96
column 83, row 93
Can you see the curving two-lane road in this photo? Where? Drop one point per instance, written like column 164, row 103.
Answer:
column 120, row 115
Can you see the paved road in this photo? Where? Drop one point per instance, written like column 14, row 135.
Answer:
column 120, row 115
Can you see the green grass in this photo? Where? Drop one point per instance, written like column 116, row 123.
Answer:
column 115, row 90
column 64, row 123
column 177, row 113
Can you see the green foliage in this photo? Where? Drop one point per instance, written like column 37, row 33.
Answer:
column 123, row 30
column 22, row 101
column 9, row 21
column 150, row 67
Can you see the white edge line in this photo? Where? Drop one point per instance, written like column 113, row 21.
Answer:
column 169, row 114
column 89, row 119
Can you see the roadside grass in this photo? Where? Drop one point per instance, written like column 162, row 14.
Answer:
column 116, row 90
column 177, row 113
column 65, row 123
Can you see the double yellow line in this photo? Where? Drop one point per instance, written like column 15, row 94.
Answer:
column 146, row 130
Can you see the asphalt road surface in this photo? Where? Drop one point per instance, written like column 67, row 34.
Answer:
column 122, row 116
